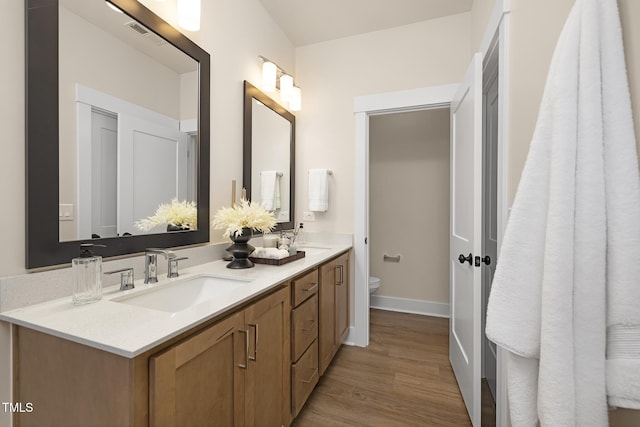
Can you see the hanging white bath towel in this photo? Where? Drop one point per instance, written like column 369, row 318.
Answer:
column 318, row 190
column 568, row 263
column 270, row 190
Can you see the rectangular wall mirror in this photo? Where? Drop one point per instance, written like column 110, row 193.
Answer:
column 269, row 155
column 117, row 125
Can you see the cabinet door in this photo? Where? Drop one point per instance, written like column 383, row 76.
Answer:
column 267, row 381
column 199, row 382
column 342, row 300
column 326, row 314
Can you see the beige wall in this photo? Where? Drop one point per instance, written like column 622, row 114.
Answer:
column 481, row 11
column 12, row 160
column 409, row 204
column 534, row 33
column 233, row 32
column 332, row 73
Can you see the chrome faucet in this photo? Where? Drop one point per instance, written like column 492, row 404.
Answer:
column 126, row 278
column 151, row 263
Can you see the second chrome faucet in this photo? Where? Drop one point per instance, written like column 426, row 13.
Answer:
column 151, row 262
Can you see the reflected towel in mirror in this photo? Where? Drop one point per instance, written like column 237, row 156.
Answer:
column 270, row 190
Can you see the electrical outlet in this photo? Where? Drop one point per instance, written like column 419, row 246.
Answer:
column 283, row 215
column 65, row 212
column 308, row 216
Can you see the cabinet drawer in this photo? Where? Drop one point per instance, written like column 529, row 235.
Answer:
column 304, row 377
column 304, row 325
column 305, row 286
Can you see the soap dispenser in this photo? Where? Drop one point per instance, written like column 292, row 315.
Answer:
column 87, row 275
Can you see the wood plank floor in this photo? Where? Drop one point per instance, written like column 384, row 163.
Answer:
column 402, row 379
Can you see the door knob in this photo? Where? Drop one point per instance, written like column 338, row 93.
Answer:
column 464, row 259
column 486, row 260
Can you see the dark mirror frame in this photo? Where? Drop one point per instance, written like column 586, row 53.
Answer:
column 251, row 92
column 43, row 247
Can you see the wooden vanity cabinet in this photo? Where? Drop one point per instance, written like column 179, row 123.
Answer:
column 235, row 373
column 201, row 380
column 232, row 372
column 267, row 377
column 319, row 324
column 333, row 308
column 304, row 339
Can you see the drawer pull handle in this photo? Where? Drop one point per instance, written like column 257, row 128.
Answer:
column 313, row 323
column 246, row 349
column 340, row 281
column 255, row 342
column 313, row 374
column 311, row 288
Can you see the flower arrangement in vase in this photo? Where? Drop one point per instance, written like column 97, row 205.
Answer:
column 239, row 222
column 177, row 215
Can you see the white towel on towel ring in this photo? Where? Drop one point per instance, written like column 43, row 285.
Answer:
column 318, row 190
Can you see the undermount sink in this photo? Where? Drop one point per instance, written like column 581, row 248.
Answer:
column 312, row 250
column 186, row 293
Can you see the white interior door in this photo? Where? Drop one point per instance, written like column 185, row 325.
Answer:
column 465, row 243
column 152, row 161
column 104, row 164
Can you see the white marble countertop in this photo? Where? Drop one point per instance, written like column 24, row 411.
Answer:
column 129, row 330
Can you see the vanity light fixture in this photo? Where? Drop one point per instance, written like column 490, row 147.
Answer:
column 269, row 75
column 295, row 102
column 274, row 77
column 286, row 87
column 189, row 14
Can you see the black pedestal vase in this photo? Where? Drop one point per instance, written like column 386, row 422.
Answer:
column 241, row 249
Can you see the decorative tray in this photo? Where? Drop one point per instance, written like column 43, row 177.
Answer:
column 269, row 261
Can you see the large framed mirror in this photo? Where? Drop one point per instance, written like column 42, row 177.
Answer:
column 117, row 125
column 269, row 155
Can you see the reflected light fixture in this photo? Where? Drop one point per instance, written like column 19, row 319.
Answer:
column 189, row 14
column 274, row 77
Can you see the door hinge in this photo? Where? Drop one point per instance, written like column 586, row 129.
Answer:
column 366, row 240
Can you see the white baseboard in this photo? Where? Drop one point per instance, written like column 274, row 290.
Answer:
column 413, row 306
column 350, row 339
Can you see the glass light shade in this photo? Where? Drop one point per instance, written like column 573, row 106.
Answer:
column 269, row 71
column 295, row 103
column 189, row 14
column 286, row 87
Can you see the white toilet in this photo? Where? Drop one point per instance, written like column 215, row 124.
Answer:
column 374, row 284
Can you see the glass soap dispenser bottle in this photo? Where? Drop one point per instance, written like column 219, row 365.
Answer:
column 87, row 275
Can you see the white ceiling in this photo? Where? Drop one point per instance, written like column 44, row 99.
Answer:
column 312, row 21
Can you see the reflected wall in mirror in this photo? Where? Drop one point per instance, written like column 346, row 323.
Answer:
column 117, row 124
column 269, row 155
column 128, row 103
